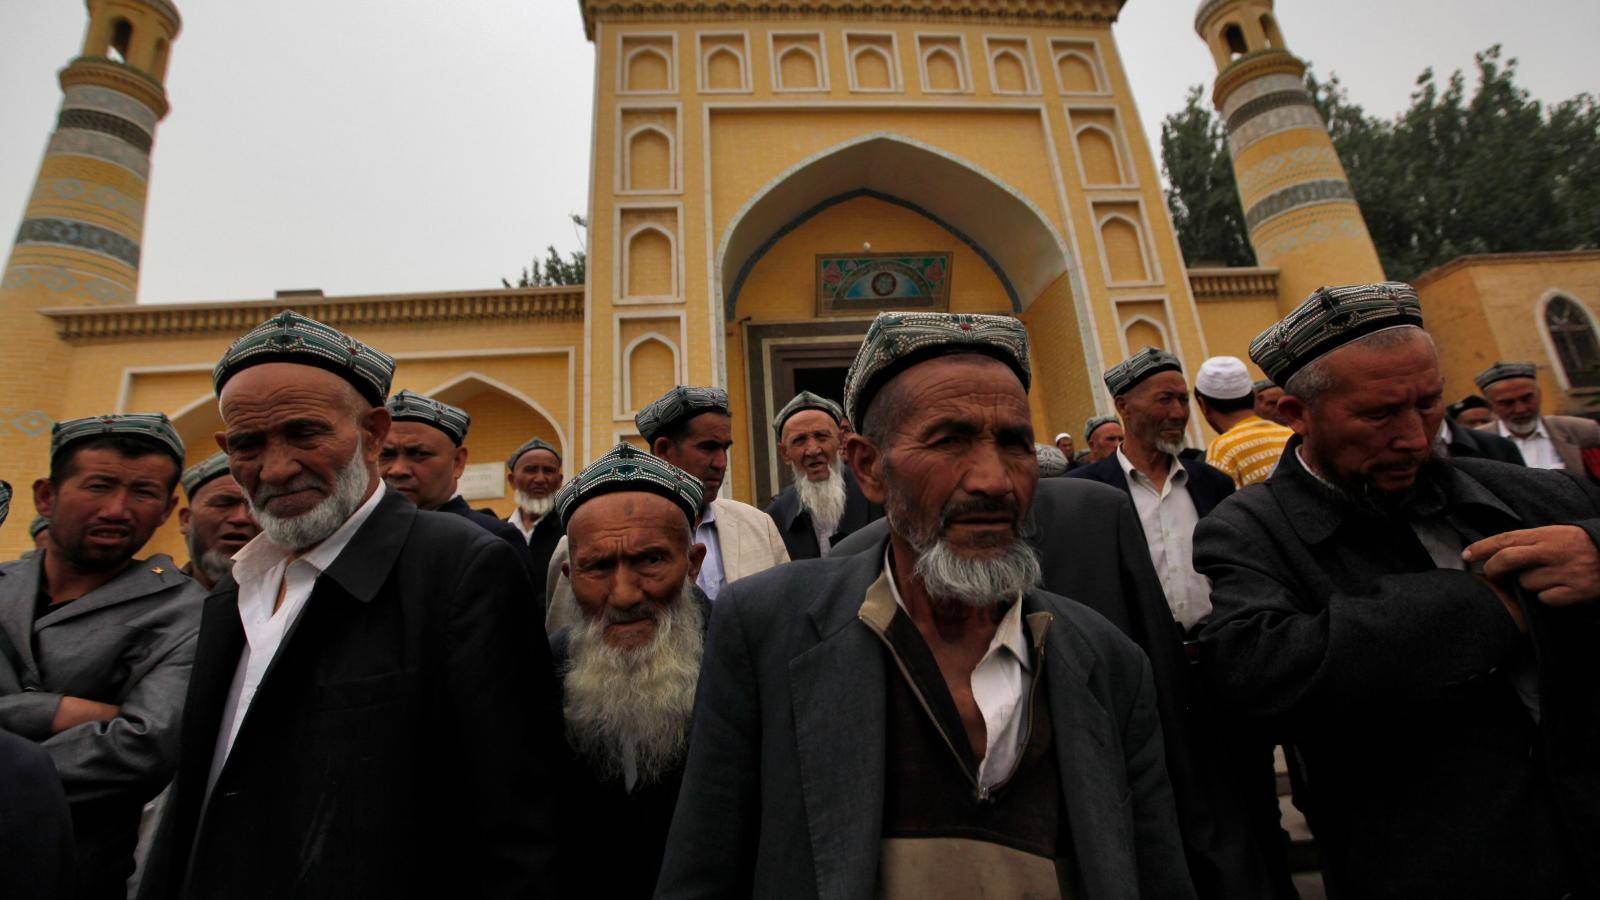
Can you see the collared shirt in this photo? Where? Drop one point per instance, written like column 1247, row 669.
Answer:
column 1537, row 449
column 260, row 567
column 711, row 578
column 1000, row 686
column 516, row 519
column 1169, row 517
column 1249, row 451
column 824, row 536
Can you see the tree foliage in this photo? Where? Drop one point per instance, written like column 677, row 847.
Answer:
column 555, row 269
column 1492, row 172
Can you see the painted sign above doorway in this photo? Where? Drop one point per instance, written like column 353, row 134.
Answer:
column 856, row 284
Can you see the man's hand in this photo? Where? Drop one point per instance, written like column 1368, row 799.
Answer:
column 1557, row 563
column 75, row 711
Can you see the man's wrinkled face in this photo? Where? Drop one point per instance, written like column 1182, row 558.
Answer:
column 421, row 462
column 1267, row 403
column 288, row 430
column 1065, row 446
column 1374, row 428
column 1516, row 402
column 630, row 556
column 218, row 518
column 960, row 467
column 537, row 474
column 1156, row 411
column 810, row 443
column 703, row 451
column 1476, row 417
column 107, row 507
column 1105, row 441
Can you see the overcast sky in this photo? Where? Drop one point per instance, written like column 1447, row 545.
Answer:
column 380, row 146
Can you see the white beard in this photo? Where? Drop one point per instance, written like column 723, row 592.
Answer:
column 982, row 582
column 537, row 507
column 1523, row 427
column 313, row 526
column 641, row 699
column 1171, row 448
column 825, row 499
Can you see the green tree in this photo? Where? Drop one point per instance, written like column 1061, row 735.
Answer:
column 556, row 269
column 1200, row 193
column 1491, row 173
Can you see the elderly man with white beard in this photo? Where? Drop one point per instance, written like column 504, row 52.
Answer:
column 919, row 720
column 628, row 667
column 365, row 716
column 534, row 472
column 822, row 504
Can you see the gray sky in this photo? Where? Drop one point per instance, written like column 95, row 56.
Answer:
column 378, row 146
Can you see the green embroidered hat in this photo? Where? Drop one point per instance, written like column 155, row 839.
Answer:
column 627, row 468
column 1095, row 422
column 803, row 401
column 1262, row 385
column 198, row 475
column 38, row 524
column 1327, row 320
column 408, row 406
column 5, row 501
column 532, row 444
column 896, row 341
column 1126, row 375
column 293, row 338
column 1500, row 371
column 682, row 402
column 151, row 428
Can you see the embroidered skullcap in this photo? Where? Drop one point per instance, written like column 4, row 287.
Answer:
column 680, row 403
column 1126, row 375
column 1095, row 422
column 408, row 406
column 533, row 444
column 1052, row 461
column 293, row 338
column 38, row 524
column 1262, row 385
column 803, row 401
column 1224, row 378
column 1330, row 318
column 896, row 341
column 1470, row 401
column 5, row 501
column 198, row 475
column 627, row 468
column 151, row 428
column 1500, row 371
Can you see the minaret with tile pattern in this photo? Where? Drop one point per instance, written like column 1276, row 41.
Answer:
column 1298, row 205
column 79, row 239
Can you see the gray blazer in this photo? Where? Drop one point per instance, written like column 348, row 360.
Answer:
column 783, row 791
column 130, row 643
column 1571, row 436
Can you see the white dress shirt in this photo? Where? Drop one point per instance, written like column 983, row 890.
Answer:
column 261, row 567
column 1000, row 686
column 710, row 578
column 527, row 533
column 1169, row 516
column 1537, row 450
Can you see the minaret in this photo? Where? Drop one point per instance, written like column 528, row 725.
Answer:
column 1302, row 215
column 79, row 240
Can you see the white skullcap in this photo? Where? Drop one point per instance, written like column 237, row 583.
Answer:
column 1060, row 436
column 1224, row 378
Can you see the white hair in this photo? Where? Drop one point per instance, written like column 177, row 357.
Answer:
column 313, row 526
column 538, row 507
column 824, row 499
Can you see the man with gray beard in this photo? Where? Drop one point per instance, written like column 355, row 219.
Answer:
column 216, row 524
column 534, row 472
column 365, row 717
column 822, row 504
column 628, row 667
column 920, row 720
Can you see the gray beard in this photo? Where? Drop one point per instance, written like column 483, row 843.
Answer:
column 641, row 699
column 214, row 564
column 825, row 499
column 316, row 524
column 1171, row 448
column 978, row 582
column 1523, row 427
column 538, row 507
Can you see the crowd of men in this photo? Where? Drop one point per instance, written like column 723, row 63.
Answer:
column 945, row 660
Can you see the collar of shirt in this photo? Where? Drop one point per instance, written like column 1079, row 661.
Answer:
column 1538, row 431
column 708, row 516
column 516, row 520
column 1177, row 475
column 261, row 555
column 1008, row 636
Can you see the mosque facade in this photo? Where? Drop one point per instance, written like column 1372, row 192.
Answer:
column 766, row 177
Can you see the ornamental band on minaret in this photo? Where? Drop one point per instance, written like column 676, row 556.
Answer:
column 1298, row 205
column 78, row 244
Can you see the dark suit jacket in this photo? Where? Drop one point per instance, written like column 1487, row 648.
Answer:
column 1396, row 681
column 498, row 527
column 784, row 789
column 1208, row 485
column 542, row 543
column 402, row 743
column 1092, row 549
column 1475, row 443
column 36, row 852
column 794, row 522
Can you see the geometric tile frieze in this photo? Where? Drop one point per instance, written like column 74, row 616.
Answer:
column 106, row 123
column 1297, row 196
column 81, row 236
